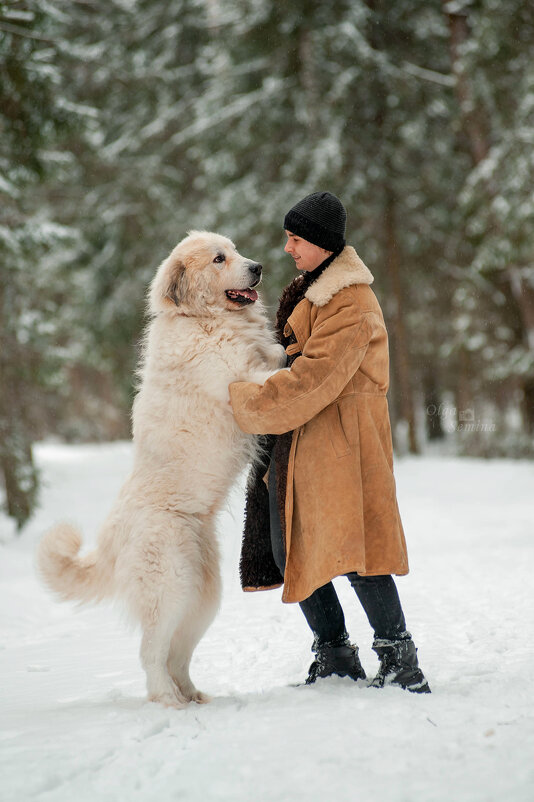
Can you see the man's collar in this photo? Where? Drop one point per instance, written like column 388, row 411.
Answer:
column 345, row 270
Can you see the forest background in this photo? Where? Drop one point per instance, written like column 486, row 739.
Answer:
column 125, row 123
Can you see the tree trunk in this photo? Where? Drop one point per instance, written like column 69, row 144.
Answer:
column 433, row 408
column 523, row 293
column 401, row 341
column 528, row 406
column 474, row 120
column 463, row 386
column 17, row 468
column 20, row 480
column 16, row 459
column 308, row 80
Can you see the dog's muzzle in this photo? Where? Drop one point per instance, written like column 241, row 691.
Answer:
column 247, row 295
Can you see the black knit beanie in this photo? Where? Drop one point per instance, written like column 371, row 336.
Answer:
column 319, row 218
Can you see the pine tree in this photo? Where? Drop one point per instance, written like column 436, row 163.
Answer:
column 35, row 250
column 491, row 59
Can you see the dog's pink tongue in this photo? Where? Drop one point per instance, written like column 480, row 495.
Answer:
column 252, row 294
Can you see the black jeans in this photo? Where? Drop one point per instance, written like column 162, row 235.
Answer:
column 377, row 594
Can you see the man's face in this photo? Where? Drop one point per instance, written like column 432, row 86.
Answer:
column 307, row 256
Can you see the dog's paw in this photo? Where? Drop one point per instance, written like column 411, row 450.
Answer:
column 261, row 376
column 201, row 698
column 277, row 356
column 185, row 688
column 169, row 699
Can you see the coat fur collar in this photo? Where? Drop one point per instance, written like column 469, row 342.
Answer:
column 345, row 270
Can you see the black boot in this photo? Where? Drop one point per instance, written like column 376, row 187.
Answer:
column 399, row 666
column 340, row 658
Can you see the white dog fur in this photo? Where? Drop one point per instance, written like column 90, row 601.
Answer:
column 157, row 550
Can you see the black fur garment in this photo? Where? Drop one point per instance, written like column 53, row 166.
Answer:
column 257, row 567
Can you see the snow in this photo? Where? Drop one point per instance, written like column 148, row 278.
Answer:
column 75, row 725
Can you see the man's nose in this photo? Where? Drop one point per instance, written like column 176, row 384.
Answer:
column 287, row 248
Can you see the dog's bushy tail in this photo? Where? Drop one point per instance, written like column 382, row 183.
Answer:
column 71, row 577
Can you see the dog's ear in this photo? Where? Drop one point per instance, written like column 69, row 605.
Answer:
column 177, row 285
column 169, row 285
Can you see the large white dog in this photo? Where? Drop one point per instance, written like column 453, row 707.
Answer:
column 157, row 550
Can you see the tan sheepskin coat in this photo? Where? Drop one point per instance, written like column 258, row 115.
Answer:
column 341, row 508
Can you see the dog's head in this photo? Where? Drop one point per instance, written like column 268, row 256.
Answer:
column 204, row 274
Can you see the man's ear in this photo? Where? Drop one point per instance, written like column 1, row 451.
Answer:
column 176, row 288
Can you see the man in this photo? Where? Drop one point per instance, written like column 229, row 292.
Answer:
column 331, row 505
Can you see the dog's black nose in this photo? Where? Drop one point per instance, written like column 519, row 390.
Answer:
column 255, row 268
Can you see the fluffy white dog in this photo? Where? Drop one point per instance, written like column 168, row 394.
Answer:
column 157, row 550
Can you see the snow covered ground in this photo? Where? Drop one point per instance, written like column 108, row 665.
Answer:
column 75, row 726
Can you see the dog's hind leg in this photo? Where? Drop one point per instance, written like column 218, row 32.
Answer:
column 200, row 613
column 182, row 648
column 155, row 646
column 184, row 641
column 158, row 612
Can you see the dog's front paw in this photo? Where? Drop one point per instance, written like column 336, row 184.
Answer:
column 261, row 376
column 278, row 356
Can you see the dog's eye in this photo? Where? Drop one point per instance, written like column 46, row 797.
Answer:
column 219, row 258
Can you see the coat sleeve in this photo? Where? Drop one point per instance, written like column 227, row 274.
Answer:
column 331, row 356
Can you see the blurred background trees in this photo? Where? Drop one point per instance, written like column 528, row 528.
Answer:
column 125, row 123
